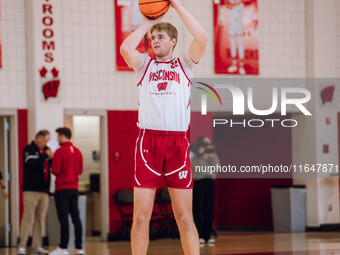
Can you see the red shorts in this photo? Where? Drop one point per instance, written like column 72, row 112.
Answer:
column 162, row 155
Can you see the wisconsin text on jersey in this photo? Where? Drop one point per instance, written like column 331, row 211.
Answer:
column 165, row 75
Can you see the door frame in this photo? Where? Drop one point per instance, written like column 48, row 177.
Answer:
column 14, row 191
column 104, row 175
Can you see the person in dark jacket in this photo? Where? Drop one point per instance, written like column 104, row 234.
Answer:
column 204, row 189
column 36, row 183
column 67, row 166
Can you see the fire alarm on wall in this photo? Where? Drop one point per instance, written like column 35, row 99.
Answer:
column 325, row 149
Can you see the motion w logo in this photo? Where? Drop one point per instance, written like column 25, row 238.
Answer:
column 182, row 174
column 327, row 94
column 162, row 86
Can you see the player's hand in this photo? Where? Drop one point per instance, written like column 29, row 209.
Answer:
column 49, row 153
column 5, row 193
column 174, row 3
column 151, row 22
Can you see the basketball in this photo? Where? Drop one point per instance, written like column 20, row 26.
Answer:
column 154, row 9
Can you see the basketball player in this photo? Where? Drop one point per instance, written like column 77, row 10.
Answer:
column 162, row 149
column 235, row 34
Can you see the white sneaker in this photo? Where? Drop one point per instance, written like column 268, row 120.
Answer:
column 232, row 69
column 211, row 241
column 202, row 241
column 242, row 71
column 59, row 251
column 21, row 251
column 80, row 251
column 40, row 251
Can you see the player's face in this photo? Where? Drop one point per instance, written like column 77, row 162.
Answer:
column 41, row 141
column 162, row 45
column 61, row 139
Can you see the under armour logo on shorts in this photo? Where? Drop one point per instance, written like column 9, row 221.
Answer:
column 145, row 151
column 182, row 174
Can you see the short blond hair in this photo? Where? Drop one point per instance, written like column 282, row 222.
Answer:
column 170, row 29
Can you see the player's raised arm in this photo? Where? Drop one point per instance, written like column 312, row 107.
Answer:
column 197, row 47
column 128, row 48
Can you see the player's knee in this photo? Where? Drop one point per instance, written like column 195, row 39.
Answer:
column 185, row 222
column 140, row 220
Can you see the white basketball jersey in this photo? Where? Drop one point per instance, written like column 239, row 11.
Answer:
column 235, row 1
column 164, row 96
column 236, row 11
column 236, row 18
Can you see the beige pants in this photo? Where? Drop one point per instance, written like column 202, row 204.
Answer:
column 35, row 209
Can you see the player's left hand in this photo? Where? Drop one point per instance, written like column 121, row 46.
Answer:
column 174, row 3
column 151, row 22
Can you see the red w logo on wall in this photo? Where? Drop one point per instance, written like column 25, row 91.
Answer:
column 50, row 88
column 327, row 94
column 162, row 86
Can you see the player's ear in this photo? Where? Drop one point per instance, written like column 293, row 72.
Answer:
column 173, row 42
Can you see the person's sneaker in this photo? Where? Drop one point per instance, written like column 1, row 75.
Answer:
column 59, row 251
column 21, row 251
column 211, row 241
column 242, row 71
column 232, row 69
column 80, row 251
column 40, row 251
column 202, row 241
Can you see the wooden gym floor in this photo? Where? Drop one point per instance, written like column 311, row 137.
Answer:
column 257, row 243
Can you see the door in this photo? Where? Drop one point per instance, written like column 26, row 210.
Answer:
column 90, row 131
column 4, row 168
column 86, row 135
column 339, row 145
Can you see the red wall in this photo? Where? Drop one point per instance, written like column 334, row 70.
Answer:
column 247, row 202
column 201, row 126
column 122, row 135
column 22, row 138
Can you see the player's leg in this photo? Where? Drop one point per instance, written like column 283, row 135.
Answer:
column 30, row 205
column 232, row 39
column 239, row 37
column 40, row 215
column 198, row 198
column 61, row 198
column 241, row 53
column 233, row 67
column 182, row 207
column 143, row 199
column 209, row 209
column 74, row 212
